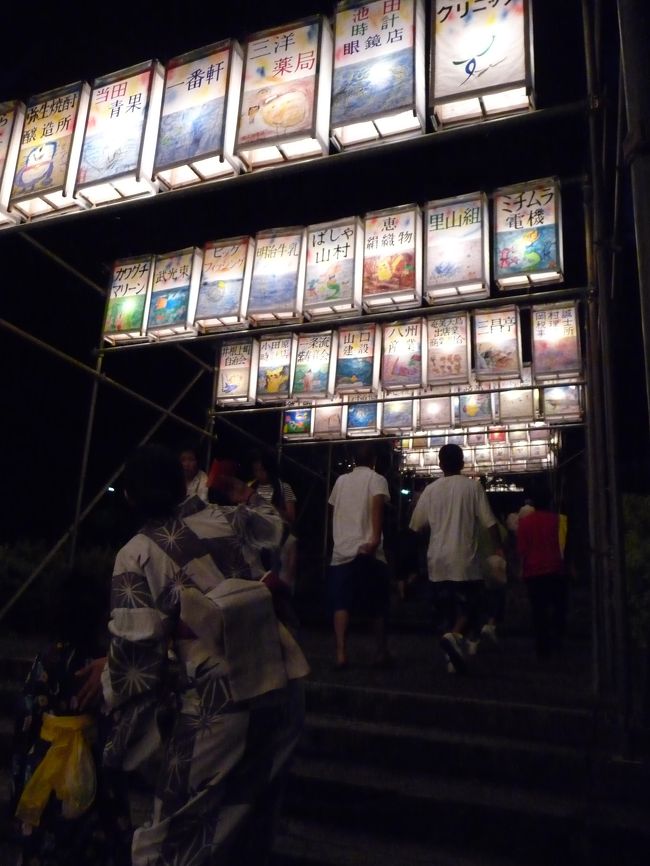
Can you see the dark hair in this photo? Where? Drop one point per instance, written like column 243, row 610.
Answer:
column 365, row 454
column 451, row 458
column 154, row 481
column 270, row 465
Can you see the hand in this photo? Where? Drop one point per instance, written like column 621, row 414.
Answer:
column 367, row 549
column 90, row 693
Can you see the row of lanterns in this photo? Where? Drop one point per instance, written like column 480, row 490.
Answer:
column 385, row 261
column 288, row 93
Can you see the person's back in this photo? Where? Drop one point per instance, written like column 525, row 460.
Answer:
column 351, row 520
column 454, row 507
column 538, row 543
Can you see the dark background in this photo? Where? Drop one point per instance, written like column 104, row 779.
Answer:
column 45, row 401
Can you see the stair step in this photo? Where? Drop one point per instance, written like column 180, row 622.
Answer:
column 409, row 747
column 309, row 843
column 496, row 818
column 546, row 724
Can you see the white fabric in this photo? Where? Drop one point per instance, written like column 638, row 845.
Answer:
column 266, row 492
column 351, row 498
column 198, row 486
column 454, row 508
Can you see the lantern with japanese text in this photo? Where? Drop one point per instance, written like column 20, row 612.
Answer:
column 556, row 342
column 174, row 291
column 225, row 285
column 12, row 116
column 481, row 60
column 313, row 374
column 196, row 137
column 334, row 271
column 401, row 360
column 129, row 297
column 298, row 423
column 285, row 100
column 398, row 416
column 120, row 139
column 447, row 349
column 362, row 416
column 516, row 401
column 49, row 153
column 456, row 263
column 276, row 360
column 528, row 235
column 358, row 358
column 392, row 259
column 237, row 378
column 278, row 279
column 328, row 420
column 435, row 413
column 497, row 343
column 378, row 85
column 562, row 403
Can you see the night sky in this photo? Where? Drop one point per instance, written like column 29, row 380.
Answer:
column 46, row 401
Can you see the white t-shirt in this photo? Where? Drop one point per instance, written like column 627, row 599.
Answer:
column 351, row 497
column 266, row 492
column 454, row 508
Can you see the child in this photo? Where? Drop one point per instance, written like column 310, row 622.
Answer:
column 68, row 811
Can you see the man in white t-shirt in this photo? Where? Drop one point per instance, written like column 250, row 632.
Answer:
column 358, row 574
column 454, row 508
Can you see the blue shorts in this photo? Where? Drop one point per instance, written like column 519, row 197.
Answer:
column 360, row 586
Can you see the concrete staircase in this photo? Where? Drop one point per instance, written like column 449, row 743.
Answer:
column 513, row 765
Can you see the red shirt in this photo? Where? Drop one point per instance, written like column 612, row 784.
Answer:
column 538, row 544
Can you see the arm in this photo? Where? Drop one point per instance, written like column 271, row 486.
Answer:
column 419, row 520
column 256, row 521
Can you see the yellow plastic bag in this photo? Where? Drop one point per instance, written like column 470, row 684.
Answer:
column 67, row 770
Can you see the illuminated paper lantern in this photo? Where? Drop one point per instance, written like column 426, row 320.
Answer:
column 313, row 375
column 528, row 234
column 285, row 101
column 298, row 423
column 225, row 285
column 435, row 412
column 121, row 130
column 278, row 279
column 237, row 378
column 411, row 459
column 497, row 435
column 334, row 268
column 357, row 362
column 447, row 349
column 362, row 416
column 328, row 420
column 398, row 416
column 497, row 344
column 481, row 60
column 49, row 152
column 392, row 259
column 556, row 341
column 518, row 403
column 378, row 86
column 12, row 116
column 401, row 360
column 127, row 308
column 456, row 263
column 475, row 408
column 277, row 357
column 174, row 292
column 196, row 137
column 562, row 403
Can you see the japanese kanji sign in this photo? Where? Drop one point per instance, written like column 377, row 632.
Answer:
column 556, row 342
column 128, row 297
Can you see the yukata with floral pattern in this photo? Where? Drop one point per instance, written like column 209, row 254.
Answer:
column 101, row 835
column 222, row 758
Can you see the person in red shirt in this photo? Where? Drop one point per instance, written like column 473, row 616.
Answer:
column 544, row 572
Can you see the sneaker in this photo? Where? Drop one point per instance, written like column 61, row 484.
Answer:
column 452, row 645
column 489, row 634
column 450, row 668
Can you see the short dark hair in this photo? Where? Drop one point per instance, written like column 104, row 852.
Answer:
column 451, row 458
column 154, row 481
column 365, row 454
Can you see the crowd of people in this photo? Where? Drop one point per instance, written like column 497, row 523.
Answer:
column 159, row 674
